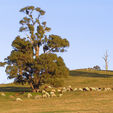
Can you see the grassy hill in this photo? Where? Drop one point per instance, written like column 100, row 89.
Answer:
column 90, row 78
column 71, row 102
column 77, row 78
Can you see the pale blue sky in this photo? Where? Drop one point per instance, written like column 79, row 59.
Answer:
column 87, row 24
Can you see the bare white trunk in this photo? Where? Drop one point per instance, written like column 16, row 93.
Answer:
column 106, row 60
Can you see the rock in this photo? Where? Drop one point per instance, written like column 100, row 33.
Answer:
column 17, row 94
column 3, row 94
column 11, row 96
column 19, row 99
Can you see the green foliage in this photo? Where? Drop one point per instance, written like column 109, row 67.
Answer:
column 45, row 87
column 24, row 64
column 51, row 67
column 57, row 82
column 57, row 44
column 97, row 67
column 2, row 64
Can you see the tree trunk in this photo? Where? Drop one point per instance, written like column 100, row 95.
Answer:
column 31, row 85
column 20, row 71
column 37, row 52
column 106, row 65
column 35, row 85
column 106, row 60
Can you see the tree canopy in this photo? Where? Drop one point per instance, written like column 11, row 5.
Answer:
column 97, row 67
column 25, row 64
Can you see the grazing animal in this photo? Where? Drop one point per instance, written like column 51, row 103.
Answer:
column 19, row 99
column 60, row 95
column 3, row 94
column 80, row 89
column 29, row 95
column 44, row 96
column 75, row 89
column 38, row 96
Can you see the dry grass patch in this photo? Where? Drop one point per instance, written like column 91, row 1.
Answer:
column 70, row 102
column 73, row 102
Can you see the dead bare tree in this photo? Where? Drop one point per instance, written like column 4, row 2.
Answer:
column 106, row 60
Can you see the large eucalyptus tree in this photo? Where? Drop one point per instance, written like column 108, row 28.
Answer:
column 25, row 64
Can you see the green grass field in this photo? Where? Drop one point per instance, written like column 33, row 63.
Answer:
column 70, row 102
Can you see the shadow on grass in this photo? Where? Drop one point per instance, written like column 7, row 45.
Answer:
column 89, row 74
column 15, row 89
column 58, row 112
